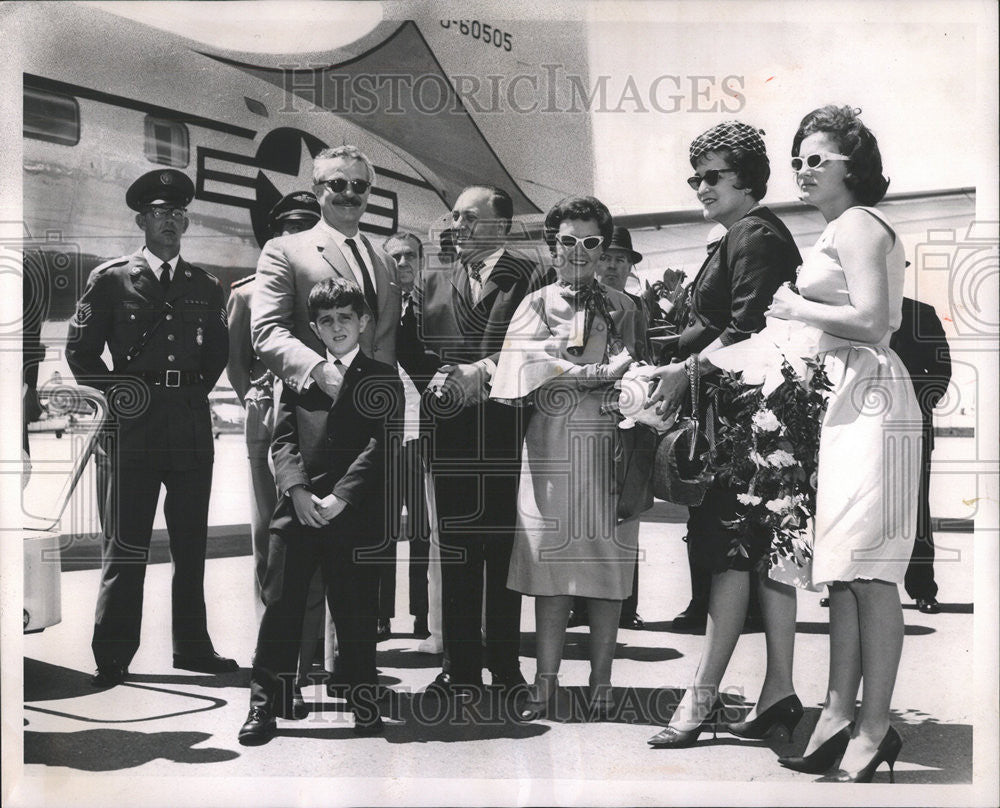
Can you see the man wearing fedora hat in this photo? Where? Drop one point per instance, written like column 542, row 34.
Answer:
column 164, row 324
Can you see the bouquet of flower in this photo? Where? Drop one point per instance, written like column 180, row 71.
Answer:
column 664, row 302
column 768, row 447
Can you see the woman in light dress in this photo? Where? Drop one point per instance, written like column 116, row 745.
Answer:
column 850, row 290
column 566, row 346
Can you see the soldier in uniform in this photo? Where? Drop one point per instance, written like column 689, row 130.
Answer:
column 254, row 384
column 164, row 324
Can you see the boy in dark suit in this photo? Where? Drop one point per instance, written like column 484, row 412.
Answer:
column 329, row 464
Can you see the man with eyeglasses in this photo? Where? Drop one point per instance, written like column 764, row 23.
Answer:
column 460, row 317
column 164, row 322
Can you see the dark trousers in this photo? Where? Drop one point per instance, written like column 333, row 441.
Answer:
column 136, row 489
column 386, row 578
column 919, row 580
column 475, row 461
column 352, row 595
column 263, row 498
column 418, row 529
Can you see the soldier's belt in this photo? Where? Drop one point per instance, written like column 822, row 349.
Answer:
column 170, row 378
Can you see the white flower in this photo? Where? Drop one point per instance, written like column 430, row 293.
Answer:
column 766, row 421
column 749, row 499
column 779, row 458
column 780, row 505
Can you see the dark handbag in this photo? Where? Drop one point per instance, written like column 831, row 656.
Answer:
column 679, row 474
column 634, row 469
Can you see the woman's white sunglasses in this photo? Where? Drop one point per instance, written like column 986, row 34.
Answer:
column 815, row 160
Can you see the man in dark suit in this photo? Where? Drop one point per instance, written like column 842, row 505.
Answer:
column 164, row 323
column 460, row 316
column 921, row 343
column 253, row 383
column 407, row 251
column 291, row 265
column 330, row 467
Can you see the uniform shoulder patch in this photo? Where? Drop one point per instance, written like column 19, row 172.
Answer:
column 243, row 281
column 114, row 262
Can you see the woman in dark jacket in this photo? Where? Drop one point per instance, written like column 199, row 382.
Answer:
column 727, row 301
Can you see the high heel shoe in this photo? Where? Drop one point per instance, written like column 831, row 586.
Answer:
column 888, row 750
column 785, row 713
column 673, row 738
column 823, row 756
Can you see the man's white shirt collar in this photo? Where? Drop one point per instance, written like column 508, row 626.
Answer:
column 155, row 263
column 340, row 239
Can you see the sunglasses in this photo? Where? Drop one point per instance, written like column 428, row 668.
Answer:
column 815, row 160
column 711, row 177
column 339, row 185
column 590, row 243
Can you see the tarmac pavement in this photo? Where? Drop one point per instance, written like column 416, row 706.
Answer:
column 168, row 737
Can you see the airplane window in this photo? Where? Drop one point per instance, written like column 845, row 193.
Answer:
column 51, row 116
column 166, row 142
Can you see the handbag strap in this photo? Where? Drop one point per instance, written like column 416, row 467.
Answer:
column 694, row 379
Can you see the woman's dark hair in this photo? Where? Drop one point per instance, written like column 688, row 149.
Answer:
column 742, row 147
column 582, row 208
column 855, row 140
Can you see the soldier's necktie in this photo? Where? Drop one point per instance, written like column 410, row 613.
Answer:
column 165, row 277
column 370, row 295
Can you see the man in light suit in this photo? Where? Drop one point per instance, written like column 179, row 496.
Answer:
column 291, row 265
column 459, row 318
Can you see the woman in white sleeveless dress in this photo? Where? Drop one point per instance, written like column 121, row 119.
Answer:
column 850, row 288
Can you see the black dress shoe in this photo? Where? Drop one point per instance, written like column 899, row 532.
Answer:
column 420, row 629
column 693, row 618
column 928, row 606
column 383, row 630
column 209, row 663
column 299, row 709
column 258, row 728
column 824, row 602
column 508, row 680
column 446, row 686
column 632, row 621
column 109, row 676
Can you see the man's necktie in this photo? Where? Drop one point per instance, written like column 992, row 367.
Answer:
column 165, row 277
column 476, row 274
column 371, row 297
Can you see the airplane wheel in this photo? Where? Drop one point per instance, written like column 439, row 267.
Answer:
column 59, row 433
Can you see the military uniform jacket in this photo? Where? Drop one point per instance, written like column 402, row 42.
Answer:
column 247, row 372
column 170, row 427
